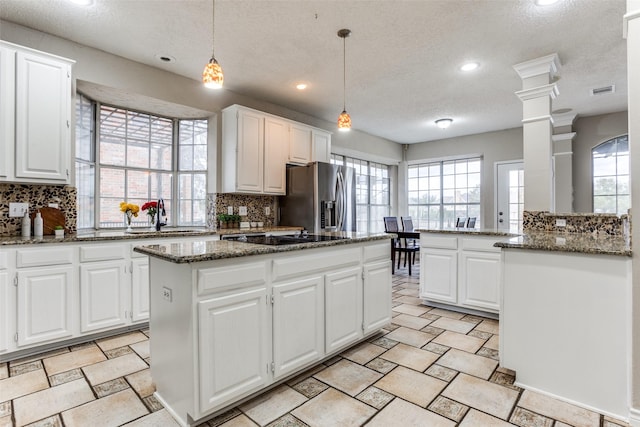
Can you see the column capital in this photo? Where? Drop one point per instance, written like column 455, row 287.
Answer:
column 549, row 64
column 563, row 137
column 564, row 119
column 550, row 90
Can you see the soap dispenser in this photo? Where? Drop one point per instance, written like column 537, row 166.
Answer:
column 38, row 226
column 26, row 225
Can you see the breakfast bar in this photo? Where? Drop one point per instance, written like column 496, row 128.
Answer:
column 232, row 318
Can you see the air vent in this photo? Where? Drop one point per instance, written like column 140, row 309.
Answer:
column 603, row 90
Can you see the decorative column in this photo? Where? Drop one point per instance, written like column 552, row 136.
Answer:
column 538, row 90
column 631, row 31
column 563, row 161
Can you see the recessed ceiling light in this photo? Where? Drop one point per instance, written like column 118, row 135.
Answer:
column 545, row 2
column 165, row 58
column 301, row 86
column 444, row 123
column 469, row 66
column 82, row 2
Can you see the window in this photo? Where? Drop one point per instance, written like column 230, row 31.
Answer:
column 440, row 192
column 373, row 197
column 135, row 163
column 611, row 176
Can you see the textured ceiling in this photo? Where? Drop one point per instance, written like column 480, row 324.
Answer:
column 402, row 56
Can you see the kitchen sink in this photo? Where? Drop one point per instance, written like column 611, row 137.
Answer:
column 164, row 230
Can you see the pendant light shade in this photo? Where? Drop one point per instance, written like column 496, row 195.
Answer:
column 212, row 76
column 344, row 120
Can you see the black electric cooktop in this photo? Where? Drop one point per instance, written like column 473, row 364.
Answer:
column 290, row 239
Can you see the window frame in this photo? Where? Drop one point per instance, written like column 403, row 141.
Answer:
column 617, row 195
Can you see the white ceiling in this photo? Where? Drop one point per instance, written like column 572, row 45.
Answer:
column 402, row 56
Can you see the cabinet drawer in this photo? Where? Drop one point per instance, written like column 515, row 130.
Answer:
column 377, row 251
column 102, row 252
column 230, row 277
column 314, row 262
column 439, row 242
column 54, row 255
column 480, row 244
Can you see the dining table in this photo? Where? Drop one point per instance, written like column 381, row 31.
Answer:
column 414, row 235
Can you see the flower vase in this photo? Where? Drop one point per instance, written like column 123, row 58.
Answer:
column 152, row 221
column 127, row 219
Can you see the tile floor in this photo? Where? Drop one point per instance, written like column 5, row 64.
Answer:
column 432, row 367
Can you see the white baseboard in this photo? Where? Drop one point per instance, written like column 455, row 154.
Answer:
column 634, row 417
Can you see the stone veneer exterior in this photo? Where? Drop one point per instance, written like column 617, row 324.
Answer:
column 595, row 223
column 37, row 196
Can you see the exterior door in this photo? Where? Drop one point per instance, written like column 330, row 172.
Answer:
column 509, row 196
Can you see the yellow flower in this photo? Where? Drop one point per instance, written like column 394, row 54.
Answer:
column 129, row 208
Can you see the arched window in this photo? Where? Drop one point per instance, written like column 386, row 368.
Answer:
column 610, row 162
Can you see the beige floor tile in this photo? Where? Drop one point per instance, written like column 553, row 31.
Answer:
column 414, row 310
column 6, row 421
column 21, row 385
column 348, row 377
column 306, row 374
column 409, row 300
column 410, row 357
column 332, row 408
column 363, row 353
column 45, row 403
column 448, row 408
column 310, row 387
column 272, row 405
column 454, row 325
column 65, row 377
column 39, row 356
column 482, row 395
column 24, row 368
column 476, row 419
column 142, row 348
column 525, row 418
column 113, row 410
column 488, row 325
column 408, row 291
column 113, row 368
column 121, row 340
column 410, row 385
column 410, row 321
column 73, row 360
column 110, row 387
column 493, row 342
column 459, row 341
column 52, row 421
column 405, row 414
column 447, row 313
column 161, row 418
column 469, row 363
column 410, row 336
column 558, row 410
column 239, row 421
column 4, row 370
column 375, row 397
column 142, row 382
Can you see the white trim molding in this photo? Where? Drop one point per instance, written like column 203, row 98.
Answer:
column 550, row 90
column 564, row 119
column 625, row 21
column 547, row 64
column 634, row 417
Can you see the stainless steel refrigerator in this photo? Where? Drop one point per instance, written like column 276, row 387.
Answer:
column 320, row 197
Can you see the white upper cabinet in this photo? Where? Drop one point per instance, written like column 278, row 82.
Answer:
column 300, row 144
column 275, row 154
column 321, row 146
column 36, row 116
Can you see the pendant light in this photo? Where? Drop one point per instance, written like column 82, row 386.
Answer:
column 212, row 76
column 344, row 120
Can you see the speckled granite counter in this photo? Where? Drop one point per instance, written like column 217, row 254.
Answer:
column 570, row 242
column 473, row 231
column 181, row 253
column 172, row 232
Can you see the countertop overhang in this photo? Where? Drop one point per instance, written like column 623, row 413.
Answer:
column 471, row 231
column 208, row 250
column 586, row 243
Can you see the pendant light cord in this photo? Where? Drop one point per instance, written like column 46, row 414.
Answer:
column 344, row 73
column 213, row 26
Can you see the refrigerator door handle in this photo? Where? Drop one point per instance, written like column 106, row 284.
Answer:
column 340, row 201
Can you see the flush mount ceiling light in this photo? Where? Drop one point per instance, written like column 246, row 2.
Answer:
column 544, row 2
column 469, row 66
column 212, row 76
column 82, row 2
column 344, row 120
column 444, row 123
column 301, row 86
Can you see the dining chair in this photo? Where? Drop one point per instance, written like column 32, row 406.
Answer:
column 471, row 222
column 461, row 222
column 399, row 245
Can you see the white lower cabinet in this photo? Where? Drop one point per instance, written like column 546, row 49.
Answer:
column 376, row 296
column 298, row 324
column 343, row 296
column 104, row 302
column 46, row 304
column 460, row 270
column 140, row 289
column 234, row 345
column 5, row 311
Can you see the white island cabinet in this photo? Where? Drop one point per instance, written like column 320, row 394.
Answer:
column 238, row 317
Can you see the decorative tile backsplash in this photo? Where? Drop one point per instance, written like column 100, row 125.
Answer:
column 37, row 196
column 611, row 224
column 218, row 203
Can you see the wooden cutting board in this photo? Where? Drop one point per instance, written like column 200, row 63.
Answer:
column 51, row 217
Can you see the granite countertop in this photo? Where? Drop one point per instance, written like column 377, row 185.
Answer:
column 189, row 252
column 586, row 243
column 473, row 231
column 119, row 234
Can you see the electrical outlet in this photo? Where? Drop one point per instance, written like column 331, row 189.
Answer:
column 167, row 294
column 53, row 205
column 242, row 211
column 230, row 210
column 561, row 222
column 18, row 209
column 267, row 211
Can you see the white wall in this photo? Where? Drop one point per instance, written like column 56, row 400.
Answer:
column 492, row 146
column 591, row 131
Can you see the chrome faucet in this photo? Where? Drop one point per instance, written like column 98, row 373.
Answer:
column 161, row 212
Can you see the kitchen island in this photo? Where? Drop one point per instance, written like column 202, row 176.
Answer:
column 230, row 318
